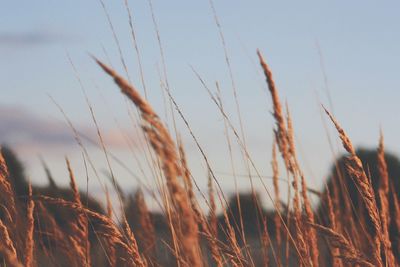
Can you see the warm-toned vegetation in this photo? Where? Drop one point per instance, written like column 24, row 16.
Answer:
column 357, row 222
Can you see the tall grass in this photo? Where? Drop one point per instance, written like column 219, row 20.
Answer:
column 32, row 233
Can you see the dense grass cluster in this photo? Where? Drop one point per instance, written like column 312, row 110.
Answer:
column 357, row 222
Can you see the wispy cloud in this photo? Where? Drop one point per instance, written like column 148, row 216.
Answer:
column 26, row 131
column 29, row 38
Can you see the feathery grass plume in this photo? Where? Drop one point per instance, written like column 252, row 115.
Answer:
column 387, row 244
column 383, row 193
column 29, row 242
column 290, row 134
column 301, row 242
column 351, row 255
column 277, row 220
column 382, row 167
column 333, row 200
column 281, row 131
column 212, row 238
column 215, row 246
column 310, row 232
column 80, row 227
column 7, row 241
column 186, row 175
column 80, row 253
column 7, row 193
column 164, row 147
column 285, row 141
column 357, row 172
column 111, row 253
column 10, row 259
column 72, row 184
column 295, row 169
column 146, row 235
column 332, row 221
column 206, row 227
column 8, row 226
column 395, row 220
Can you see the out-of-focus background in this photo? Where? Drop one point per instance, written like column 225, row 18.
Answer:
column 342, row 54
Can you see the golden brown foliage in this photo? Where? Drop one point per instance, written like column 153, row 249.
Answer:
column 341, row 235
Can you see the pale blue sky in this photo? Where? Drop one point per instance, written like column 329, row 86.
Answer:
column 359, row 42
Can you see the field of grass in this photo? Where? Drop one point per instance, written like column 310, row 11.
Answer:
column 357, row 222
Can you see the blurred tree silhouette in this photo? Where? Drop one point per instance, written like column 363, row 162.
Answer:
column 19, row 183
column 16, row 171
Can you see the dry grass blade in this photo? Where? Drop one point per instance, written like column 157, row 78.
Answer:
column 29, row 243
column 277, row 221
